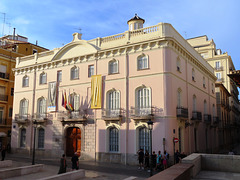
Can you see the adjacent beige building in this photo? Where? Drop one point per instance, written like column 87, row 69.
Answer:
column 223, row 65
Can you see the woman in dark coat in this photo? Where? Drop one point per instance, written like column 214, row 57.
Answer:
column 63, row 165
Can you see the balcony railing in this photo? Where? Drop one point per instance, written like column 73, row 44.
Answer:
column 142, row 113
column 4, row 75
column 196, row 116
column 112, row 114
column 72, row 116
column 207, row 118
column 220, row 80
column 219, row 68
column 3, row 97
column 182, row 112
column 22, row 117
column 41, row 116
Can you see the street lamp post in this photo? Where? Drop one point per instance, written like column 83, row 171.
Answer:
column 150, row 128
column 34, row 141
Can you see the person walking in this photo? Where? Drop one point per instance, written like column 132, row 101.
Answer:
column 140, row 158
column 3, row 153
column 63, row 165
column 154, row 160
column 146, row 156
column 75, row 163
column 159, row 160
column 164, row 160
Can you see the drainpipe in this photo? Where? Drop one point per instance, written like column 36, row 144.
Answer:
column 189, row 130
column 33, row 104
column 126, row 103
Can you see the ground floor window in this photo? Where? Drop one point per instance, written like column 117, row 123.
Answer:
column 41, row 133
column 143, row 138
column 113, row 139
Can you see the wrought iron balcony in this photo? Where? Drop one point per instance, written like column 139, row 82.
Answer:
column 22, row 118
column 110, row 114
column 196, row 116
column 41, row 116
column 220, row 68
column 182, row 112
column 4, row 75
column 142, row 113
column 207, row 118
column 3, row 97
column 72, row 117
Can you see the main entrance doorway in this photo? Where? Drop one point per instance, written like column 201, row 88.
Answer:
column 73, row 141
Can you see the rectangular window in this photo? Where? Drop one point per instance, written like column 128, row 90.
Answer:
column 74, row 73
column 217, row 64
column 10, row 112
column 218, row 76
column 25, row 81
column 113, row 67
column 90, row 70
column 59, row 76
column 1, row 116
column 12, row 91
column 43, row 78
column 3, row 70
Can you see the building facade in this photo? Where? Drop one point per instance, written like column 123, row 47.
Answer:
column 223, row 65
column 142, row 74
column 10, row 49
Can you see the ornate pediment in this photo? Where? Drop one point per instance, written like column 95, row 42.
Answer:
column 75, row 48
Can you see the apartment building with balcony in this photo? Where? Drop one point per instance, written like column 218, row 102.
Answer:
column 115, row 85
column 223, row 66
column 9, row 50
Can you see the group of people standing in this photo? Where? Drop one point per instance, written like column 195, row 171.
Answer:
column 159, row 161
column 63, row 163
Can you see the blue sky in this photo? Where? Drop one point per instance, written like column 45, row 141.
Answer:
column 52, row 22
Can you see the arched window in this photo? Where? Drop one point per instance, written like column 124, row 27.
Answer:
column 23, row 138
column 113, row 139
column 143, row 103
column 142, row 62
column 25, row 81
column 143, row 138
column 41, row 107
column 74, row 73
column 23, row 111
column 74, row 100
column 43, row 78
column 41, row 133
column 193, row 74
column 179, row 98
column 113, row 66
column 113, row 103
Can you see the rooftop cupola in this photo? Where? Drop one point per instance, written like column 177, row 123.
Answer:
column 135, row 23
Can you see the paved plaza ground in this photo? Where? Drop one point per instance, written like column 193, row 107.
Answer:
column 108, row 171
column 93, row 170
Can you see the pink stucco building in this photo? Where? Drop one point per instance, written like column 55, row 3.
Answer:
column 149, row 73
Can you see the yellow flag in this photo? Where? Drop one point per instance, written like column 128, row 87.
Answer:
column 96, row 92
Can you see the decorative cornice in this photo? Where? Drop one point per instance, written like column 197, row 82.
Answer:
column 117, row 51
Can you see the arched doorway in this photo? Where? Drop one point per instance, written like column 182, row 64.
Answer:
column 73, row 141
